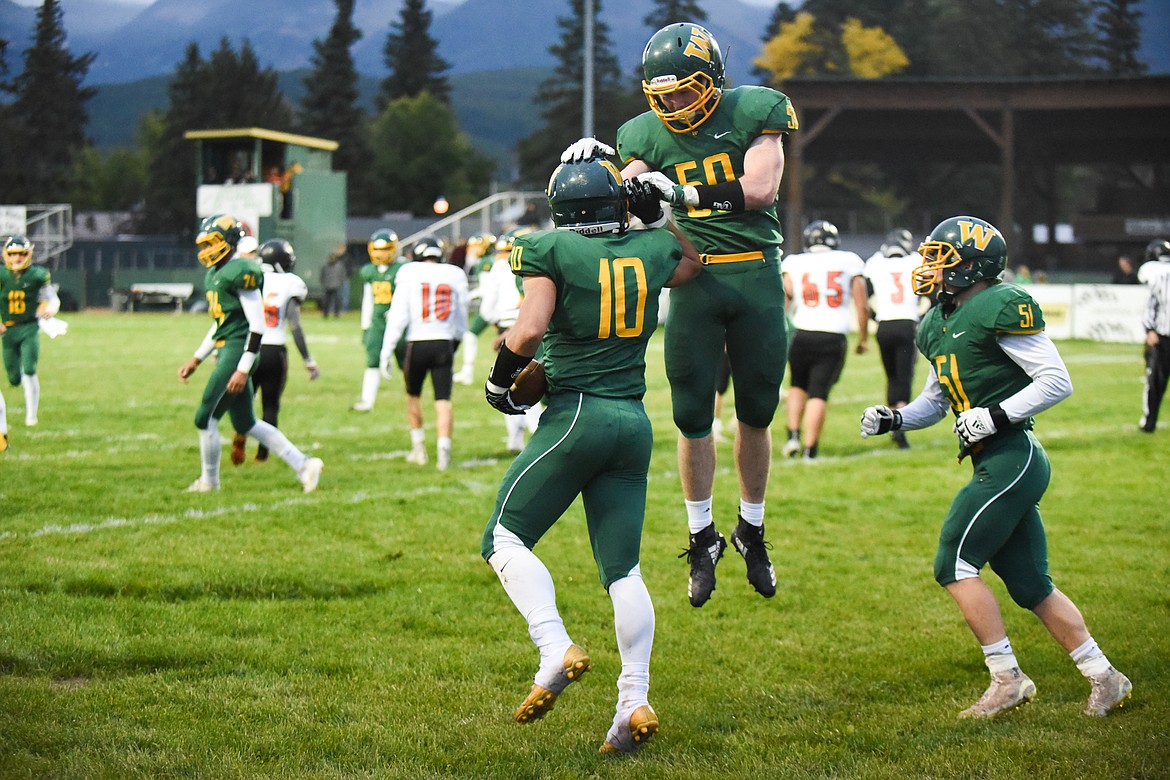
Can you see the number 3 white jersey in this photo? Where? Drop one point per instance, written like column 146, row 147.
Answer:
column 893, row 286
column 429, row 304
column 822, row 288
column 279, row 289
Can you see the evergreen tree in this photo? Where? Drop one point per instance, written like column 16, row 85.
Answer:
column 330, row 107
column 1119, row 37
column 46, row 132
column 412, row 57
column 670, row 11
column 562, row 95
column 420, row 154
column 229, row 89
column 783, row 13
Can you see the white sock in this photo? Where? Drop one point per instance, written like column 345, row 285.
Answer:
column 1089, row 658
column 515, row 423
column 278, row 443
column 210, row 443
column 752, row 513
column 698, row 514
column 633, row 622
column 32, row 395
column 370, row 382
column 999, row 656
column 528, row 583
column 3, row 416
column 470, row 350
column 444, row 445
column 418, row 437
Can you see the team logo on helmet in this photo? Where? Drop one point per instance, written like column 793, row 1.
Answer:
column 218, row 236
column 18, row 253
column 683, row 75
column 959, row 252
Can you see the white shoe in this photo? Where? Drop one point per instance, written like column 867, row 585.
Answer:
column 443, row 461
column 791, row 447
column 516, row 443
column 418, row 455
column 464, row 376
column 1111, row 689
column 1008, row 691
column 310, row 474
column 362, row 406
column 199, row 486
column 30, row 421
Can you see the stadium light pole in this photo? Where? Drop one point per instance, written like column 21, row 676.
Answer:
column 587, row 77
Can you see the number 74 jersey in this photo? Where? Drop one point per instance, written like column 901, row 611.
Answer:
column 964, row 348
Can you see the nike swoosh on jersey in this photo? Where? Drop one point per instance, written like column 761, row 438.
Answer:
column 956, row 335
column 720, row 135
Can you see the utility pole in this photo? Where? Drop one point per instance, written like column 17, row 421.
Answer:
column 587, row 87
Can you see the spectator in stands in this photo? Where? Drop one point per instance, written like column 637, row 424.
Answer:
column 1125, row 273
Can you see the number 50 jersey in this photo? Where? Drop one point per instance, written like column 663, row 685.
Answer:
column 607, row 304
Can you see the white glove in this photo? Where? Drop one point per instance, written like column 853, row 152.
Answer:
column 674, row 194
column 385, row 366
column 974, row 425
column 585, row 148
column 876, row 420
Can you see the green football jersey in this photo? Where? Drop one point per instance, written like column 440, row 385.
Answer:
column 224, row 283
column 20, row 293
column 964, row 348
column 607, row 305
column 712, row 154
column 381, row 285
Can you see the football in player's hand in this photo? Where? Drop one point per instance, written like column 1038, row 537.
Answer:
column 530, row 385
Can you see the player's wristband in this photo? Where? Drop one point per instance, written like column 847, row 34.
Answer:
column 507, row 367
column 725, row 196
column 999, row 417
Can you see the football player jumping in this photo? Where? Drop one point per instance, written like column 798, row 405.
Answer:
column 233, row 300
column 994, row 367
column 591, row 291
column 715, row 155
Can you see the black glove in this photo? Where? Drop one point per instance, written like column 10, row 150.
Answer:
column 501, row 399
column 644, row 203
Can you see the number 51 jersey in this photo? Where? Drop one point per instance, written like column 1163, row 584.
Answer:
column 964, row 348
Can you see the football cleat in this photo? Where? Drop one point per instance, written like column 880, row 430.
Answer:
column 310, row 474
column 443, row 460
column 30, row 420
column 418, row 455
column 238, row 454
column 464, row 376
column 3, row 442
column 261, row 457
column 1008, row 691
column 630, row 732
column 1111, row 690
column 791, row 447
column 201, row 486
column 899, row 439
column 540, row 699
column 362, row 406
column 705, row 550
column 749, row 541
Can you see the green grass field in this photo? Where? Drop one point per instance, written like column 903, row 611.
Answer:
column 355, row 632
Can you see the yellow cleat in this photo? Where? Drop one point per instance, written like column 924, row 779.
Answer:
column 629, row 734
column 540, row 699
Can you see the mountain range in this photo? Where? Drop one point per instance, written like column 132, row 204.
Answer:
column 135, row 42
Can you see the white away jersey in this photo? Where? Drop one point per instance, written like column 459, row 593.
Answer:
column 279, row 289
column 429, row 304
column 822, row 288
column 500, row 296
column 893, row 286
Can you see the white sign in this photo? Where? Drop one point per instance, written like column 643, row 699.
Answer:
column 245, row 202
column 13, row 220
column 1109, row 312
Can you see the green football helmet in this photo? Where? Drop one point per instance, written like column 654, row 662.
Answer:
column 218, row 236
column 959, row 252
column 18, row 253
column 382, row 246
column 682, row 61
column 506, row 240
column 587, row 197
